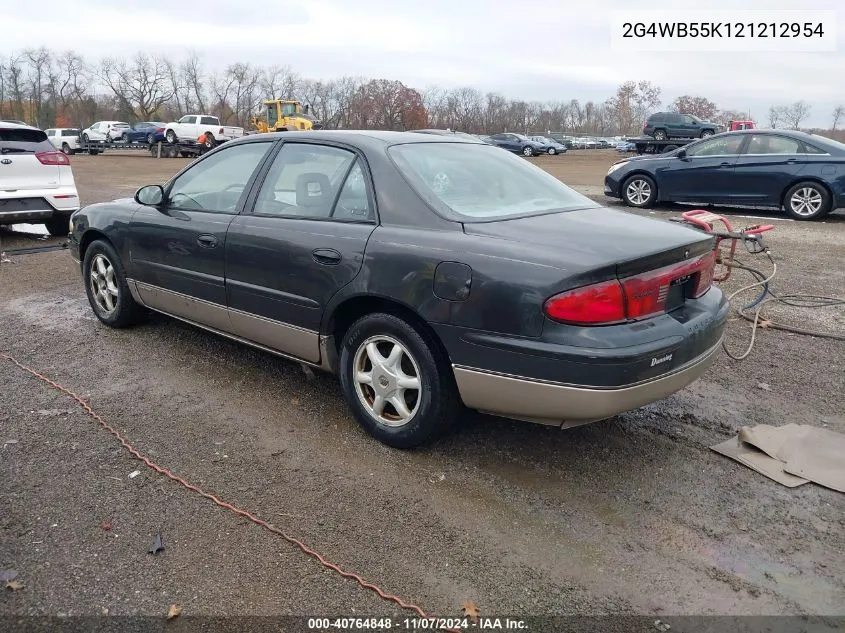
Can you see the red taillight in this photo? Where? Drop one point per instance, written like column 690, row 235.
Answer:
column 600, row 303
column 52, row 158
column 221, row 131
column 632, row 298
column 159, row 130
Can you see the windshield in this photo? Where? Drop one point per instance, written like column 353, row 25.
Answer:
column 481, row 182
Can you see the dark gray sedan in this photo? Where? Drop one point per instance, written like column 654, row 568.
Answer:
column 428, row 272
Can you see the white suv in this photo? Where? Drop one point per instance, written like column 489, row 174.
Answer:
column 104, row 131
column 64, row 138
column 36, row 182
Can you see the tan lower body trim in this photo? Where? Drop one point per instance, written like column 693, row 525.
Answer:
column 565, row 405
column 277, row 338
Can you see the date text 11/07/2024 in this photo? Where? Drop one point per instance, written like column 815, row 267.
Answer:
column 417, row 624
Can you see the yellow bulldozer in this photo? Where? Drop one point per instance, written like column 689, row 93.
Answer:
column 282, row 115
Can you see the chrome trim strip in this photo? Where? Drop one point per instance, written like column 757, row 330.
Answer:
column 182, row 305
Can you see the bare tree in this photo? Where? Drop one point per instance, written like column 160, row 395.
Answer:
column 838, row 113
column 141, row 87
column 776, row 115
column 697, row 106
column 796, row 113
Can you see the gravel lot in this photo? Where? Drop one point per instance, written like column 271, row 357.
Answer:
column 632, row 515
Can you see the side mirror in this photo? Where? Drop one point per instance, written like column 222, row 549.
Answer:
column 681, row 154
column 150, row 195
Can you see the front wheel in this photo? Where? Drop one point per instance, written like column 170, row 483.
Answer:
column 707, row 133
column 807, row 201
column 106, row 286
column 639, row 191
column 396, row 381
column 149, row 139
column 65, row 148
column 552, row 151
column 209, row 143
column 528, row 151
column 170, row 136
column 660, row 135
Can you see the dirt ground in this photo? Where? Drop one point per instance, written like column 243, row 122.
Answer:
column 633, row 515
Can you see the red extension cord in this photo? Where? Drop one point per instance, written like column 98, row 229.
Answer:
column 234, row 509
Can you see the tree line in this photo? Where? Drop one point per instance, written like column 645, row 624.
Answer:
column 50, row 88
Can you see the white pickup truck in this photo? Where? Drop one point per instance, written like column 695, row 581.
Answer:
column 191, row 126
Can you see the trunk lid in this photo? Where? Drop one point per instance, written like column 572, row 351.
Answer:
column 600, row 242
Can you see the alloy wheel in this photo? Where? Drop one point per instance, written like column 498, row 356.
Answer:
column 387, row 380
column 638, row 191
column 104, row 287
column 806, row 202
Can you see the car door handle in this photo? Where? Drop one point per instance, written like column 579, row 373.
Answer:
column 207, row 241
column 326, row 256
column 725, row 164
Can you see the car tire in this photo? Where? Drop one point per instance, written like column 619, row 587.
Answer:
column 660, row 135
column 807, row 201
column 150, row 140
column 706, row 133
column 430, row 408
column 170, row 136
column 125, row 139
column 210, row 143
column 108, row 286
column 552, row 151
column 58, row 226
column 528, row 151
column 639, row 191
column 66, row 148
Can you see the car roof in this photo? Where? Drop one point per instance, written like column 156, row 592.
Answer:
column 371, row 138
column 10, row 125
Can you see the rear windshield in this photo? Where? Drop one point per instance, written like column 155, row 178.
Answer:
column 18, row 140
column 481, row 182
column 70, row 132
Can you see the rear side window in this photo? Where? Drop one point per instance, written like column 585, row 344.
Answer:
column 208, row 120
column 812, row 149
column 766, row 144
column 23, row 140
column 70, row 132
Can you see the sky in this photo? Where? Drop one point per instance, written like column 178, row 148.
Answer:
column 545, row 50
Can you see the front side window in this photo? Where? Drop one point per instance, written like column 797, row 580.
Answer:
column 719, row 146
column 304, row 181
column 768, row 144
column 186, row 119
column 215, row 184
column 476, row 181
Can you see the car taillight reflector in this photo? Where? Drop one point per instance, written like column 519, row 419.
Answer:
column 632, row 298
column 221, row 131
column 159, row 129
column 52, row 158
column 600, row 303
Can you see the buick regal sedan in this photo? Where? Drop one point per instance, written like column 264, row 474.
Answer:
column 801, row 173
column 428, row 272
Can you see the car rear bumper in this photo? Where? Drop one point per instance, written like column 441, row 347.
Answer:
column 38, row 208
column 568, row 405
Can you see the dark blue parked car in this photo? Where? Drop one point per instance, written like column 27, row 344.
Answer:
column 144, row 131
column 803, row 174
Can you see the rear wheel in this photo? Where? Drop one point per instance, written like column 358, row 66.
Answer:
column 396, row 382
column 706, row 133
column 66, row 148
column 209, row 141
column 150, row 139
column 660, row 135
column 639, row 191
column 106, row 286
column 170, row 135
column 807, row 201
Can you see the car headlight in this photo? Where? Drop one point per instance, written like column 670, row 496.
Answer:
column 614, row 167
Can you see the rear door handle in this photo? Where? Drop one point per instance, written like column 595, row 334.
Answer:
column 326, row 256
column 725, row 164
column 207, row 241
